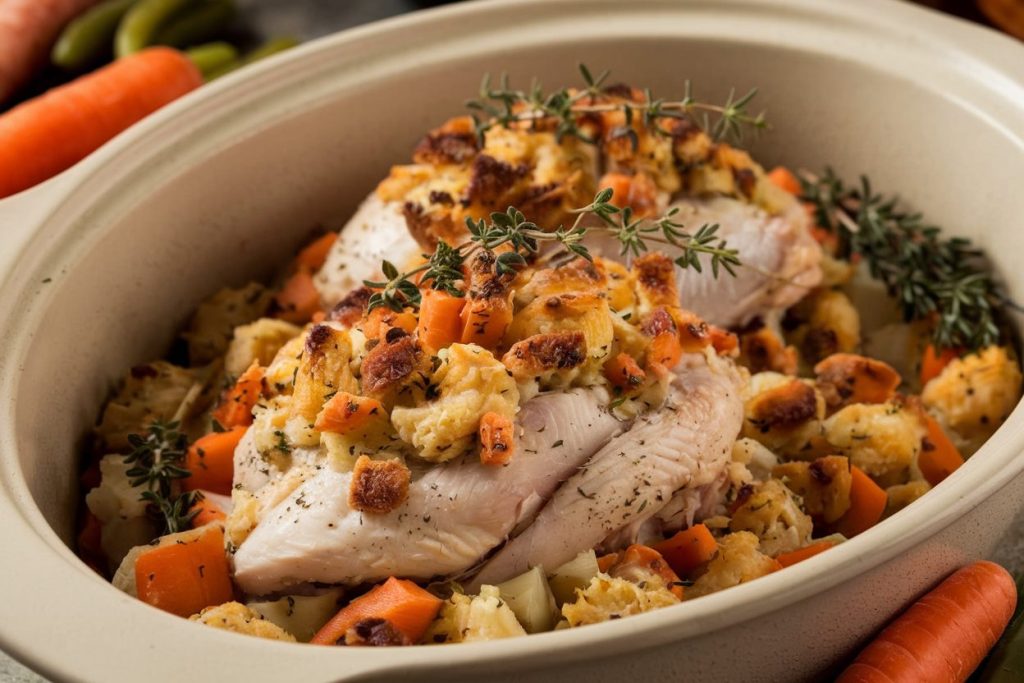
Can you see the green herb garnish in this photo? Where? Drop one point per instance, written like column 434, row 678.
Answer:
column 156, row 460
column 944, row 281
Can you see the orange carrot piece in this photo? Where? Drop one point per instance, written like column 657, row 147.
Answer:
column 409, row 608
column 182, row 578
column 934, row 362
column 722, row 340
column 688, row 549
column 497, row 439
column 623, row 372
column 440, row 323
column 858, row 379
column 314, row 254
column 298, row 299
column 606, row 562
column 638, row 192
column 235, row 409
column 945, row 635
column 484, row 322
column 784, row 178
column 939, row 456
column 646, row 559
column 206, row 512
column 665, row 350
column 345, row 412
column 867, row 503
column 801, row 554
column 44, row 136
column 380, row 320
column 211, row 461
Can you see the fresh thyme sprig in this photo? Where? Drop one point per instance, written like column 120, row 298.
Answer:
column 564, row 108
column 520, row 241
column 156, row 460
column 933, row 279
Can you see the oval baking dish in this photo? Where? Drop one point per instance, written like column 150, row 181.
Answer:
column 101, row 264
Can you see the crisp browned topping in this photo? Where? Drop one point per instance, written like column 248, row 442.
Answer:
column 350, row 309
column 374, row 632
column 492, row 179
column 745, row 180
column 546, row 352
column 818, row 343
column 762, row 350
column 390, row 362
column 656, row 277
column 845, row 378
column 784, row 406
column 824, row 485
column 452, row 143
column 484, row 281
column 378, row 486
column 658, row 322
column 429, row 227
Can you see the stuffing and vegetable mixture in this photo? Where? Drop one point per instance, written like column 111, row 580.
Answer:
column 608, row 365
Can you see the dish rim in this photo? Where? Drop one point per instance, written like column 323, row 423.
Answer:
column 48, row 207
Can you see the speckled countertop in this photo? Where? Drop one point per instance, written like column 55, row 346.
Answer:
column 314, row 18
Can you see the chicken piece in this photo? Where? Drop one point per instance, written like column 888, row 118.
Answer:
column 376, row 231
column 781, row 262
column 684, row 445
column 453, row 516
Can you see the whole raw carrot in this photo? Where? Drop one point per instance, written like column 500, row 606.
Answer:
column 44, row 136
column 27, row 30
column 943, row 636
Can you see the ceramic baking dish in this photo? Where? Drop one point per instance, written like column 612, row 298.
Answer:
column 102, row 264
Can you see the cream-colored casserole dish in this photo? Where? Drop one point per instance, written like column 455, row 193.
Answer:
column 102, row 264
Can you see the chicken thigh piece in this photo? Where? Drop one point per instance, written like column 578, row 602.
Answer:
column 686, row 444
column 376, row 231
column 781, row 261
column 454, row 515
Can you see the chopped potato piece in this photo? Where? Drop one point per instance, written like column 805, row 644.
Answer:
column 770, row 513
column 214, row 322
column 902, row 495
column 823, row 485
column 883, row 439
column 258, row 341
column 234, row 616
column 610, row 598
column 469, row 382
column 976, row 393
column 464, row 619
column 737, row 561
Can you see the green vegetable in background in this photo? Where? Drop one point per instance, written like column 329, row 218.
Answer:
column 87, row 40
column 143, row 21
column 199, row 25
column 271, row 47
column 212, row 57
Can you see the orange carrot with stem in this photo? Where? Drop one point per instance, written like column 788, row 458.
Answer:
column 409, row 608
column 187, row 575
column 943, row 636
column 211, row 460
column 46, row 135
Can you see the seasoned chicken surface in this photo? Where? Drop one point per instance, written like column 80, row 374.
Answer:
column 455, row 513
column 686, row 444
